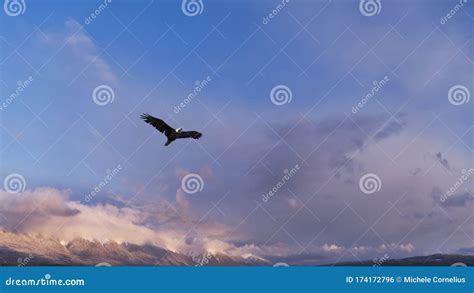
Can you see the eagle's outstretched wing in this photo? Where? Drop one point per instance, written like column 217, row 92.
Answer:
column 157, row 123
column 186, row 134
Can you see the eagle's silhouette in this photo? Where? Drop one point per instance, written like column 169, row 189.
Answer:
column 170, row 133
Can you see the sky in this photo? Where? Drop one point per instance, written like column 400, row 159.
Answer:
column 332, row 130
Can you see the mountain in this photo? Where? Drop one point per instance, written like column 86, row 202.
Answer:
column 427, row 260
column 22, row 250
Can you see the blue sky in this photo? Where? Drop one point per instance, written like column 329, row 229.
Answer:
column 326, row 52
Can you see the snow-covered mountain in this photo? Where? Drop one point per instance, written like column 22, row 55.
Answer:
column 34, row 250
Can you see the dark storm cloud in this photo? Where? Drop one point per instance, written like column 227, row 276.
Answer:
column 328, row 144
column 322, row 202
column 450, row 200
column 320, row 148
column 459, row 200
column 466, row 250
column 443, row 161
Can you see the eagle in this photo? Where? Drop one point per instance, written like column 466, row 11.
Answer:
column 170, row 133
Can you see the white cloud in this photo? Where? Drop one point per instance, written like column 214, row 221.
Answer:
column 82, row 52
column 49, row 212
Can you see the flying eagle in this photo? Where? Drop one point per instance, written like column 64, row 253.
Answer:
column 170, row 133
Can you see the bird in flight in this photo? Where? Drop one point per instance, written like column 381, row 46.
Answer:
column 170, row 133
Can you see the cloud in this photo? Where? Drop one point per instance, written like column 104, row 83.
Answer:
column 332, row 145
column 325, row 193
column 328, row 252
column 466, row 250
column 25, row 209
column 49, row 211
column 442, row 161
column 459, row 200
column 82, row 52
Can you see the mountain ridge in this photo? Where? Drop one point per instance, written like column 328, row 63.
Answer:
column 38, row 250
column 18, row 249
